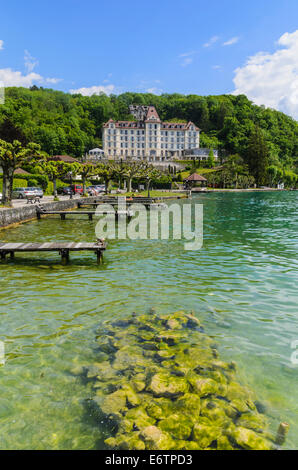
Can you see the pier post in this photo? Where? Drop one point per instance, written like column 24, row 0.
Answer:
column 65, row 256
column 90, row 216
column 12, row 255
column 3, row 255
column 63, row 216
column 99, row 256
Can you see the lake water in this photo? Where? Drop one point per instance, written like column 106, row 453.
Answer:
column 242, row 284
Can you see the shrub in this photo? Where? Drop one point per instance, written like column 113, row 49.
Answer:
column 33, row 183
column 17, row 183
column 50, row 189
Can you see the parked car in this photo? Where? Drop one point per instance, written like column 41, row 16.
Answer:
column 93, row 190
column 77, row 189
column 22, row 193
column 65, row 190
column 101, row 188
column 38, row 192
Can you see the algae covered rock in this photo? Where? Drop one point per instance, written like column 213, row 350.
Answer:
column 160, row 385
column 204, row 387
column 177, row 425
column 155, row 439
column 114, row 403
column 205, row 433
column 250, row 440
column 165, row 384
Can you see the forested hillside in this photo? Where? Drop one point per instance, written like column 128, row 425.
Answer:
column 63, row 123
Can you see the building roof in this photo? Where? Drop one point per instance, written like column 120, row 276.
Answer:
column 151, row 116
column 195, row 177
column 164, row 125
column 20, row 171
column 63, row 158
column 96, row 150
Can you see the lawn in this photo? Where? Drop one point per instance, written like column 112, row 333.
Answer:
column 200, row 171
column 154, row 193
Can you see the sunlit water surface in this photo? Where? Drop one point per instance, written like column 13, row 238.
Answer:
column 242, row 284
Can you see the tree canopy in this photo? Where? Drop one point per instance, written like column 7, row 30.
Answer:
column 72, row 124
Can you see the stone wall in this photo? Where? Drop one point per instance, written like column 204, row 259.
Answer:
column 28, row 212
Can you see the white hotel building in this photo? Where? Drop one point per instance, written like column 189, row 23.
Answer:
column 148, row 138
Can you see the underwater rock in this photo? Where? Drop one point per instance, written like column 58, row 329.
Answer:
column 253, row 421
column 129, row 441
column 177, row 425
column 204, row 434
column 204, row 387
column 156, row 439
column 165, row 384
column 248, row 439
column 161, row 385
column 139, row 418
column 115, row 403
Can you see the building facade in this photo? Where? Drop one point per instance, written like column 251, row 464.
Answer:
column 95, row 155
column 148, row 138
column 200, row 154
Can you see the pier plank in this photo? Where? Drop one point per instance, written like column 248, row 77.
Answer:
column 62, row 248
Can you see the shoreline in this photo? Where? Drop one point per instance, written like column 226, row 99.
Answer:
column 11, row 217
column 241, row 190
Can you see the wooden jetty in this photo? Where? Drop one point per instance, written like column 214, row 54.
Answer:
column 62, row 248
column 113, row 201
column 90, row 214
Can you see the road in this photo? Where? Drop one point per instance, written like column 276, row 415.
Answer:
column 16, row 203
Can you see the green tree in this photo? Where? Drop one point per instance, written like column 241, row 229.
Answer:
column 211, row 159
column 257, row 155
column 56, row 170
column 12, row 156
column 87, row 170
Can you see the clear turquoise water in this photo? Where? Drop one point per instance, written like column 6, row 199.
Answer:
column 242, row 284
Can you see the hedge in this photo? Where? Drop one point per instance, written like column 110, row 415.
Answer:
column 17, row 183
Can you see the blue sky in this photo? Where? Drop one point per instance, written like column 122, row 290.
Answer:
column 191, row 47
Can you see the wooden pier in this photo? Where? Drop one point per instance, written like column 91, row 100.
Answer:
column 113, row 201
column 62, row 248
column 90, row 214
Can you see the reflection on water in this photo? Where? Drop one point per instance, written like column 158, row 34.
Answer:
column 242, row 285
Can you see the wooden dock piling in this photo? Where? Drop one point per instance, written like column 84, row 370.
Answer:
column 63, row 249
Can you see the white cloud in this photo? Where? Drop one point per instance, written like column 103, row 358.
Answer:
column 187, row 58
column 154, row 91
column 187, row 54
column 186, row 61
column 30, row 62
column 94, row 90
column 272, row 79
column 231, row 41
column 11, row 77
column 211, row 41
column 53, row 81
column 1, row 44
column 216, row 67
